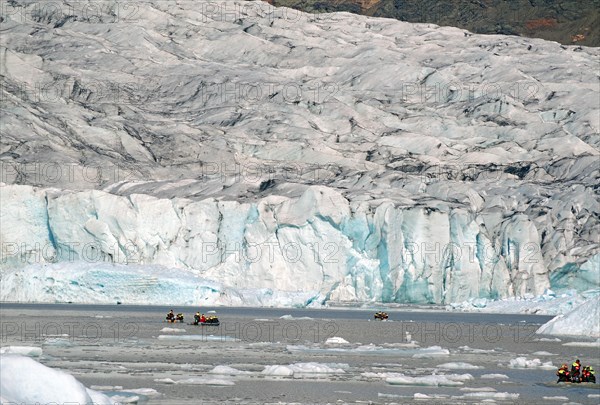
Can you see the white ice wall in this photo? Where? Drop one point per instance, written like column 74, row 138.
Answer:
column 317, row 242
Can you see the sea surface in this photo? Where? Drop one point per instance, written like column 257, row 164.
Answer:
column 125, row 351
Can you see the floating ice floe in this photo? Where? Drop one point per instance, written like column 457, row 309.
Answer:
column 492, row 395
column 400, row 349
column 172, row 330
column 227, row 370
column 300, row 318
column 418, row 395
column 557, row 398
column 449, row 380
column 495, row 376
column 431, row 352
column 24, row 380
column 205, row 381
column 118, row 395
column 106, row 387
column 203, row 338
column 385, row 395
column 58, row 342
column 30, row 351
column 458, row 366
column 523, row 362
column 478, row 389
column 148, row 392
column 336, row 341
column 547, row 340
column 583, row 344
column 124, row 398
column 476, row 351
column 381, row 375
column 165, row 380
column 305, row 368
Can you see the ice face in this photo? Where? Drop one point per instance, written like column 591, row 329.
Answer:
column 317, row 246
column 451, row 171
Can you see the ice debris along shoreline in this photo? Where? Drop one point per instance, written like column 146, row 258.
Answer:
column 106, row 283
column 451, row 171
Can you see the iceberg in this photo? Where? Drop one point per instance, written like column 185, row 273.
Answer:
column 581, row 321
column 24, row 380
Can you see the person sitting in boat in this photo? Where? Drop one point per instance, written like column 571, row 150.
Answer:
column 179, row 317
column 563, row 374
column 196, row 318
column 588, row 374
column 171, row 316
column 576, row 371
column 202, row 319
column 381, row 315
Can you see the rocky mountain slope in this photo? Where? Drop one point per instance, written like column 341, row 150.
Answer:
column 566, row 22
column 347, row 157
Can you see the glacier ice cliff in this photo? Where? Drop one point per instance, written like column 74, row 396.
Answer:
column 319, row 243
column 244, row 149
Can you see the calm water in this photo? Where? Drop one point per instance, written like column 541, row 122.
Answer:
column 126, row 346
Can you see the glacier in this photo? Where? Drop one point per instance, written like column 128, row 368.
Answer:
column 249, row 155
